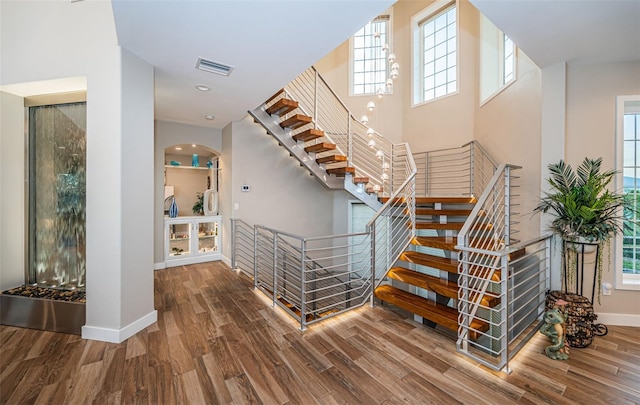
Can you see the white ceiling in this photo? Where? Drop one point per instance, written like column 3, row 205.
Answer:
column 572, row 31
column 268, row 42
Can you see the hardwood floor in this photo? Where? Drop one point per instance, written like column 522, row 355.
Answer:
column 219, row 342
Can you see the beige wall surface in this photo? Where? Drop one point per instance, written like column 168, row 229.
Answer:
column 591, row 120
column 283, row 195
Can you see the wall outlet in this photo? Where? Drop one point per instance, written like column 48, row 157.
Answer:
column 236, row 206
column 606, row 288
column 245, row 188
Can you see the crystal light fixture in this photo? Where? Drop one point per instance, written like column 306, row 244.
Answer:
column 364, row 119
column 371, row 106
column 371, row 143
column 370, row 132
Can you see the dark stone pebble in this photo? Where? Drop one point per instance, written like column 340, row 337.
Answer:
column 48, row 293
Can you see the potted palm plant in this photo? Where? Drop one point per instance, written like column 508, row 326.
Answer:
column 586, row 211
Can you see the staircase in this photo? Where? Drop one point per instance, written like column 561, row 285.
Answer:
column 286, row 120
column 424, row 279
column 440, row 244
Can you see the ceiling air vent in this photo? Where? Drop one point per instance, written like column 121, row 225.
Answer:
column 213, row 67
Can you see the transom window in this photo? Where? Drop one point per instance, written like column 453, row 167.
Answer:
column 497, row 60
column 435, row 48
column 369, row 59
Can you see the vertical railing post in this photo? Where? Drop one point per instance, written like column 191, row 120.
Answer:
column 373, row 260
column 315, row 99
column 303, row 287
column 504, row 313
column 275, row 268
column 507, row 206
column 463, row 303
column 472, row 168
column 255, row 257
column 233, row 243
column 426, row 173
column 349, row 140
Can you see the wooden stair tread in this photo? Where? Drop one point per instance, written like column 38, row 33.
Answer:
column 438, row 313
column 282, row 106
column 432, row 200
column 320, row 147
column 342, row 171
column 436, row 262
column 275, row 95
column 331, row 159
column 446, row 200
column 440, row 286
column 308, row 135
column 438, row 242
column 456, row 226
column 370, row 190
column 449, row 212
column 360, row 180
column 295, row 121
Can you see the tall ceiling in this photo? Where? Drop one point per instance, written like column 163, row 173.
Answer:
column 572, row 31
column 267, row 42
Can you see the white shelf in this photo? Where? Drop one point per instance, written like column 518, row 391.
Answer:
column 188, row 167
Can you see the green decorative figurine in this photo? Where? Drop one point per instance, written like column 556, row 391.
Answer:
column 554, row 328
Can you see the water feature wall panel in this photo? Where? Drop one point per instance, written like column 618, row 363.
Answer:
column 57, row 164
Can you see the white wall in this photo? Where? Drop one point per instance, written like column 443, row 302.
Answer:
column 283, row 195
column 12, row 191
column 119, row 116
column 509, row 126
column 168, row 134
column 590, row 132
column 225, row 197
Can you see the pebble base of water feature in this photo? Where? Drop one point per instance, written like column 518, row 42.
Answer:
column 43, row 308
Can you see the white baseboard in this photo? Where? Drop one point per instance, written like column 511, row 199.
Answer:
column 226, row 260
column 119, row 335
column 159, row 266
column 619, row 319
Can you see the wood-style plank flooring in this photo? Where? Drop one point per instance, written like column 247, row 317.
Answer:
column 219, row 342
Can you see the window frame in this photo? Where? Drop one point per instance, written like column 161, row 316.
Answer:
column 492, row 61
column 622, row 281
column 417, row 54
column 388, row 14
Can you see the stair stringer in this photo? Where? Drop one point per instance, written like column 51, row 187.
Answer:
column 272, row 125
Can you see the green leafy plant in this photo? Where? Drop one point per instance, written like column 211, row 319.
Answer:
column 585, row 210
column 198, row 206
column 583, row 206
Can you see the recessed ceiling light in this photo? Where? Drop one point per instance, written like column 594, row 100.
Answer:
column 209, row 117
column 193, row 145
column 178, row 148
column 202, row 87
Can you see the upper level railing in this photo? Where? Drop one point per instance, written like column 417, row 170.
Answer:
column 493, row 264
column 366, row 150
column 465, row 170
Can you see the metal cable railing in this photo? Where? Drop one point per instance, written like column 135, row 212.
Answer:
column 313, row 278
column 502, row 283
column 450, row 172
